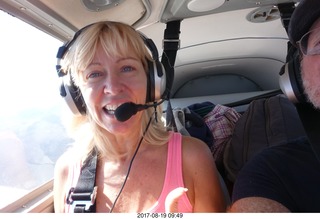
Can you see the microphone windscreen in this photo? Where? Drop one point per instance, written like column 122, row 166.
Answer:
column 125, row 111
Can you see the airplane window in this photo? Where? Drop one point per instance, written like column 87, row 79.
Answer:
column 32, row 135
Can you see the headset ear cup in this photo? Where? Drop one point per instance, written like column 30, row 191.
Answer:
column 156, row 81
column 290, row 78
column 160, row 81
column 150, row 83
column 72, row 95
column 297, row 84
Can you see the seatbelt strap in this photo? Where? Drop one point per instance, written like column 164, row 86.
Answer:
column 82, row 197
column 171, row 44
column 250, row 99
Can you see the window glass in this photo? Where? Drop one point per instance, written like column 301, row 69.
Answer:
column 32, row 135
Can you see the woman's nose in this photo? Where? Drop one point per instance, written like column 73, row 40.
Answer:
column 112, row 85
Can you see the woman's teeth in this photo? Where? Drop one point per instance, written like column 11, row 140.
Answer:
column 110, row 109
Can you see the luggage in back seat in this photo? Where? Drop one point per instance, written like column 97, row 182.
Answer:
column 267, row 122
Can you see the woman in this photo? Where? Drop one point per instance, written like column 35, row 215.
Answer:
column 109, row 63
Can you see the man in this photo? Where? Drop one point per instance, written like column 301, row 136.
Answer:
column 286, row 178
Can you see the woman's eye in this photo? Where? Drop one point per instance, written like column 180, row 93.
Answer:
column 127, row 69
column 93, row 75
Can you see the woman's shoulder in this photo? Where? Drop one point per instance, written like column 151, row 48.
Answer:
column 195, row 149
column 61, row 166
column 201, row 175
column 61, row 173
column 63, row 163
column 194, row 144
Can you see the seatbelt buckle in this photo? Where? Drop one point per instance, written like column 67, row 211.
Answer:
column 84, row 200
column 171, row 44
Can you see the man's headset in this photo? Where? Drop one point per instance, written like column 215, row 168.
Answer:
column 290, row 76
column 156, row 77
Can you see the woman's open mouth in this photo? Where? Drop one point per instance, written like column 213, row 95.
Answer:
column 110, row 109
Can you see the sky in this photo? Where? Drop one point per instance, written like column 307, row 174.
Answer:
column 28, row 81
column 27, row 72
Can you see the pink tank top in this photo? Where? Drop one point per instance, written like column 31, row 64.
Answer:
column 173, row 178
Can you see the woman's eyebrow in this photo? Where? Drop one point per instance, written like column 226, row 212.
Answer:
column 94, row 63
column 127, row 58
column 98, row 63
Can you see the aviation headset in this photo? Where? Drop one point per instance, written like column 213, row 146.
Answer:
column 290, row 76
column 156, row 76
column 301, row 20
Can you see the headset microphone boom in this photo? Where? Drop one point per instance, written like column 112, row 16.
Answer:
column 126, row 110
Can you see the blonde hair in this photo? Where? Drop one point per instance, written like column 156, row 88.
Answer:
column 115, row 38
